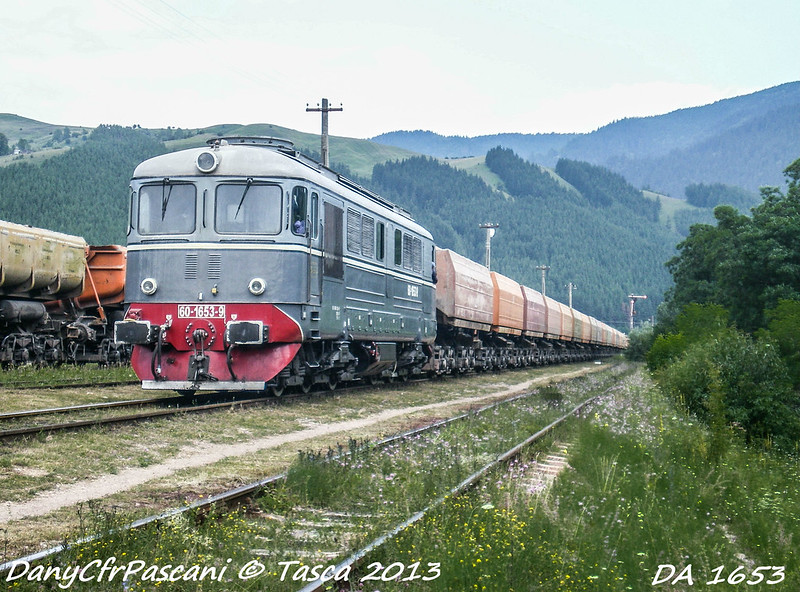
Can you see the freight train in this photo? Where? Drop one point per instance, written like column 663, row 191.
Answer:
column 253, row 267
column 59, row 298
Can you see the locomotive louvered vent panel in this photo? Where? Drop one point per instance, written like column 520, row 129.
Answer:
column 367, row 236
column 214, row 266
column 412, row 253
column 353, row 231
column 190, row 269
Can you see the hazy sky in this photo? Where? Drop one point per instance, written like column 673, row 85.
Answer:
column 454, row 67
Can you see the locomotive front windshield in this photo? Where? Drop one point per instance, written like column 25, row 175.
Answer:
column 167, row 208
column 248, row 208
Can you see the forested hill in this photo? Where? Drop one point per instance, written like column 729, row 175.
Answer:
column 744, row 141
column 597, row 232
column 602, row 244
column 83, row 191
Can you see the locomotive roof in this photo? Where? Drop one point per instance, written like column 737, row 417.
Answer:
column 274, row 158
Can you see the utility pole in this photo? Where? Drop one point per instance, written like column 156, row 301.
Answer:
column 570, row 286
column 631, row 311
column 324, row 109
column 491, row 228
column 544, row 269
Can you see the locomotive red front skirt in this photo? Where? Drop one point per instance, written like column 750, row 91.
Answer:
column 209, row 346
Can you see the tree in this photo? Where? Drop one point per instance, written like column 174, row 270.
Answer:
column 784, row 329
column 4, row 149
column 746, row 264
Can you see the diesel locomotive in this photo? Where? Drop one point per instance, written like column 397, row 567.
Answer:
column 252, row 267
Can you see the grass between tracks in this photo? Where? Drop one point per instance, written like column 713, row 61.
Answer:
column 648, row 488
column 50, row 463
column 361, row 493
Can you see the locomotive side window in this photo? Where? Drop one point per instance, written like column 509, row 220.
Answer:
column 398, row 247
column 380, row 242
column 314, row 215
column 299, row 199
column 248, row 208
column 167, row 208
column 332, row 242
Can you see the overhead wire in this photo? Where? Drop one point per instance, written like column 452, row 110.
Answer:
column 187, row 31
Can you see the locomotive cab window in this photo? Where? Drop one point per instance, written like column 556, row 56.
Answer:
column 248, row 208
column 299, row 215
column 167, row 208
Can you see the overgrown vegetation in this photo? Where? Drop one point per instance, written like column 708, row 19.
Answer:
column 648, row 487
column 726, row 345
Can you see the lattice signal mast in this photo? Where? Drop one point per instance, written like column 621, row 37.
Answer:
column 631, row 312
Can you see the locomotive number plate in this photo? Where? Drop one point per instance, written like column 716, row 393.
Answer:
column 201, row 311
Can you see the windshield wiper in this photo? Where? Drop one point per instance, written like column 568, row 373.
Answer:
column 244, row 194
column 165, row 199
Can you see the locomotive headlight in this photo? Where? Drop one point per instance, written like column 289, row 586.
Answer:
column 149, row 286
column 207, row 161
column 257, row 286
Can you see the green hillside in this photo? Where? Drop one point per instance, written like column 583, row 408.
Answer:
column 608, row 249
column 593, row 229
column 743, row 141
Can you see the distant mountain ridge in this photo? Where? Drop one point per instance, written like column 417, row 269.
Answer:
column 745, row 141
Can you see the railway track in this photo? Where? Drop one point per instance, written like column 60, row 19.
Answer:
column 174, row 406
column 317, row 519
column 27, row 386
column 175, row 409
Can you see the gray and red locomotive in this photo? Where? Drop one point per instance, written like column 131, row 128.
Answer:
column 251, row 266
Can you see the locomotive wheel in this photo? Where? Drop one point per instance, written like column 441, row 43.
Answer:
column 307, row 386
column 277, row 389
column 333, row 381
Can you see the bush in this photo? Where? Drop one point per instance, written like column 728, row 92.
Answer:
column 750, row 379
column 665, row 350
column 639, row 343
